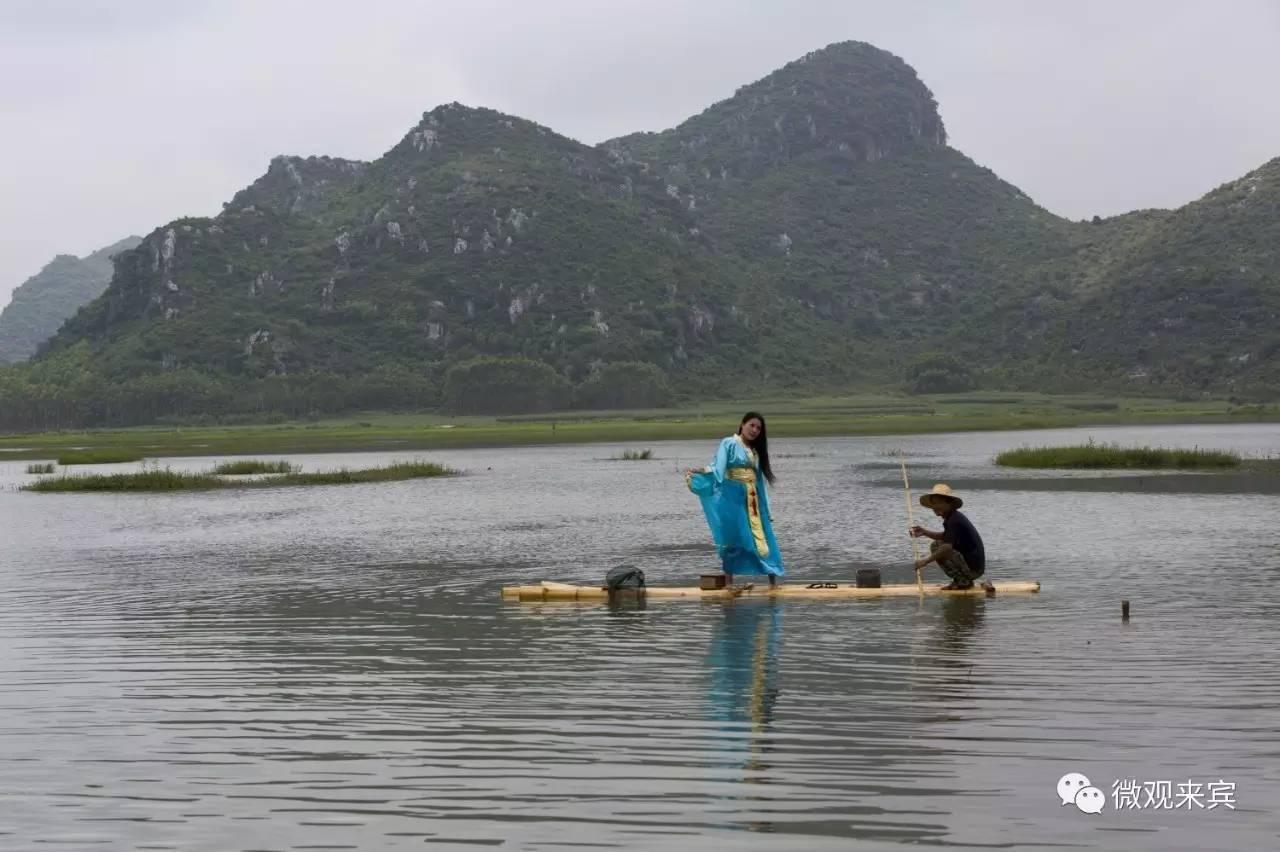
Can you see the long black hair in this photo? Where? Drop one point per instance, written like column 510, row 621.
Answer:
column 760, row 444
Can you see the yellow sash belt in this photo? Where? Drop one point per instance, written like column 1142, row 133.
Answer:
column 747, row 476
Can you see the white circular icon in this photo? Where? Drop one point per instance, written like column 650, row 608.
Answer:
column 1090, row 800
column 1069, row 785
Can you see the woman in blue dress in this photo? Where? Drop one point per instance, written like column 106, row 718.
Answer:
column 735, row 500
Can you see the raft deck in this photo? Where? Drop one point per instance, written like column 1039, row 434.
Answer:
column 549, row 591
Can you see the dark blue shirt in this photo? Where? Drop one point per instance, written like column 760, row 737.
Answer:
column 958, row 532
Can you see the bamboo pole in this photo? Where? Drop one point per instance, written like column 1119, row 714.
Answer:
column 557, row 592
column 911, row 521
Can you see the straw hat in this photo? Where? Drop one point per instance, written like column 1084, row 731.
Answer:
column 940, row 490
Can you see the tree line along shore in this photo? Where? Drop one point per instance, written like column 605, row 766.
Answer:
column 863, row 414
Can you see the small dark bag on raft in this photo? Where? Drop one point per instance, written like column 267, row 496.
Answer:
column 624, row 577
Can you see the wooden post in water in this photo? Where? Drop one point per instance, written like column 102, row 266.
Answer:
column 1124, row 610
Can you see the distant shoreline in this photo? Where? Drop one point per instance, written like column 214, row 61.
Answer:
column 831, row 416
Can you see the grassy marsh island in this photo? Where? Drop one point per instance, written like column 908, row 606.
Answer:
column 391, row 473
column 1095, row 456
column 634, row 455
column 248, row 466
column 164, row 479
column 47, row 467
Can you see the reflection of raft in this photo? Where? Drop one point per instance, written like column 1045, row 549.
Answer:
column 548, row 591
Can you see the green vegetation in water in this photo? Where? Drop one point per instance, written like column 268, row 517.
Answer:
column 144, row 480
column 108, row 455
column 47, row 467
column 390, row 473
column 246, row 466
column 170, row 480
column 635, row 455
column 1113, row 456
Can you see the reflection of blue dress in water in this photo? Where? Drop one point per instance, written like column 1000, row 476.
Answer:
column 744, row 669
column 744, row 663
column 736, row 503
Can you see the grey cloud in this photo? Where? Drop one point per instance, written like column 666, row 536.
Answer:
column 65, row 20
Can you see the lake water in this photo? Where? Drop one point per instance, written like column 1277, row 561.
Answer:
column 333, row 667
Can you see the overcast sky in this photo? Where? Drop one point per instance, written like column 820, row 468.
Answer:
column 120, row 115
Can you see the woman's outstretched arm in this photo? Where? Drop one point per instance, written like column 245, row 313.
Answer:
column 721, row 464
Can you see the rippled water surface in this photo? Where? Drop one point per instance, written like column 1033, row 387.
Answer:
column 332, row 667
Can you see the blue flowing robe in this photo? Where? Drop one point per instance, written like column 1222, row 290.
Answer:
column 738, row 511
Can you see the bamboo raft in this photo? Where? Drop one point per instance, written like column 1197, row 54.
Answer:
column 549, row 591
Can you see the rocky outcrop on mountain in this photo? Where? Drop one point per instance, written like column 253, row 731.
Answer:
column 45, row 300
